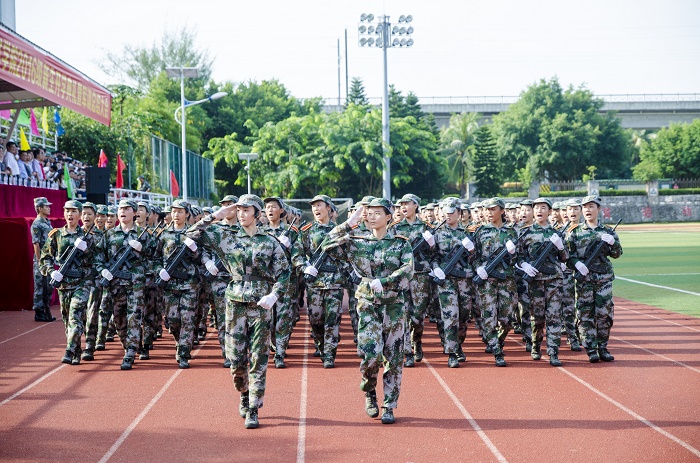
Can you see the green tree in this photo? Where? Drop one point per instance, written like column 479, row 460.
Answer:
column 486, row 171
column 457, row 147
column 357, row 94
column 674, row 153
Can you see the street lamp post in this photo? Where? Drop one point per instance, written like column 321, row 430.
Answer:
column 248, row 157
column 384, row 36
column 190, row 72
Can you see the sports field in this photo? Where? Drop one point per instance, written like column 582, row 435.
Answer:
column 660, row 266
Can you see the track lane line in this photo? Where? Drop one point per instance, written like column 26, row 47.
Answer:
column 301, row 436
column 669, row 288
column 22, row 334
column 654, row 353
column 466, row 414
column 657, row 318
column 112, row 450
column 22, row 391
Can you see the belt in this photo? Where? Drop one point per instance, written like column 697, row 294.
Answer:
column 248, row 278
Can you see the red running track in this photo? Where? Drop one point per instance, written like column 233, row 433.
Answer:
column 645, row 406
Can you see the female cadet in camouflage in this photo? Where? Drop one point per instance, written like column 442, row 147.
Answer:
column 385, row 263
column 545, row 287
column 594, row 305
column 497, row 295
column 89, row 217
column 455, row 294
column 74, row 284
column 259, row 278
column 40, row 231
column 568, row 299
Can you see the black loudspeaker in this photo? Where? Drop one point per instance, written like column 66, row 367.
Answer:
column 97, row 184
column 97, row 198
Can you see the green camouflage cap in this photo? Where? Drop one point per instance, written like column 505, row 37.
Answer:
column 111, row 210
column 493, row 202
column 429, row 207
column 573, row 202
column 181, row 204
column 167, row 210
column 592, row 199
column 542, row 201
column 208, row 210
column 156, row 209
column 381, row 202
column 511, row 206
column 41, row 201
column 556, row 205
column 232, row 198
column 325, row 198
column 464, row 206
column 251, row 200
column 196, row 210
column 73, row 204
column 90, row 205
column 476, row 205
column 450, row 205
column 408, row 197
column 144, row 204
column 274, row 198
column 102, row 209
column 216, row 208
column 128, row 203
column 526, row 202
column 366, row 200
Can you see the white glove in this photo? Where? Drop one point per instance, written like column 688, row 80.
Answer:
column 467, row 243
column 107, row 275
column 529, row 269
column 563, row 266
column 189, row 242
column 438, row 272
column 581, row 267
column 164, row 275
column 311, row 270
column 355, row 217
column 429, row 238
column 136, row 245
column 608, row 238
column 211, row 266
column 80, row 244
column 267, row 301
column 56, row 275
column 510, row 247
column 284, row 239
column 223, row 212
column 481, row 271
column 556, row 241
column 376, row 285
column 431, row 273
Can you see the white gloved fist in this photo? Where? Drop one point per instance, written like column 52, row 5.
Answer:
column 355, row 217
column 211, row 266
column 80, row 244
column 311, row 270
column 267, row 301
column 223, row 212
column 136, row 245
column 467, row 243
column 438, row 272
column 510, row 246
column 429, row 238
column 376, row 285
column 581, row 267
column 189, row 242
column 164, row 275
column 608, row 238
column 57, row 276
column 529, row 269
column 556, row 241
column 107, row 275
column 431, row 273
column 286, row 242
column 563, row 266
column 481, row 271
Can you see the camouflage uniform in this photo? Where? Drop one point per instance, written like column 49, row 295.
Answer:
column 40, row 230
column 568, row 299
column 382, row 317
column 94, row 300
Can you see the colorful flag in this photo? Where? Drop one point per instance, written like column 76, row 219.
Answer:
column 102, row 162
column 23, row 143
column 6, row 113
column 45, row 121
column 33, row 124
column 23, row 118
column 68, row 182
column 120, row 167
column 174, row 187
column 57, row 119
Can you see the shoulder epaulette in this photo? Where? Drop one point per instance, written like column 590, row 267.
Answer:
column 53, row 231
column 430, row 224
column 295, row 229
column 402, row 237
column 572, row 227
column 472, row 228
column 307, row 226
column 353, row 227
column 394, row 223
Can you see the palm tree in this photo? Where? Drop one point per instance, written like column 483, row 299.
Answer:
column 457, row 145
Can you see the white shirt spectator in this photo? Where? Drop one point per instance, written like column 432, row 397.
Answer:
column 11, row 162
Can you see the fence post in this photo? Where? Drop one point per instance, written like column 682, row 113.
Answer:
column 653, row 192
column 534, row 191
column 593, row 187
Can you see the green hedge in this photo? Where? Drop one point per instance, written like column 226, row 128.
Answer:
column 679, row 191
column 517, row 194
column 566, row 194
column 623, row 192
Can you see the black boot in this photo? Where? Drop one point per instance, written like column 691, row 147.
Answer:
column 410, row 361
column 536, row 353
column 388, row 416
column 604, row 355
column 554, row 360
column 371, row 404
column 243, row 405
column 593, row 356
column 67, row 357
column 418, row 351
column 452, row 361
column 251, row 418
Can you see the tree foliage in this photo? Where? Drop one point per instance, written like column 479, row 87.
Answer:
column 673, row 153
column 486, row 167
column 457, row 147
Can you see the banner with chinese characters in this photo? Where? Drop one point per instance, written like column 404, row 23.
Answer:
column 33, row 69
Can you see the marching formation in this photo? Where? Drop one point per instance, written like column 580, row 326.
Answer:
column 537, row 268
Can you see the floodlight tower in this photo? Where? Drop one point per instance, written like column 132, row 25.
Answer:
column 383, row 36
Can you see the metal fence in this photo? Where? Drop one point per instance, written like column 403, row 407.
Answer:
column 200, row 171
column 115, row 194
column 46, row 140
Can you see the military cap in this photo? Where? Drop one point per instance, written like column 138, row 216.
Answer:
column 102, row 209
column 450, row 205
column 573, row 202
column 232, row 198
column 90, row 205
column 251, row 200
column 542, row 201
column 41, row 201
column 408, row 197
column 144, row 204
column 129, row 203
column 492, row 202
column 208, row 210
column 215, row 208
column 475, row 205
column 156, row 209
column 73, row 204
column 592, row 199
column 511, row 206
column 526, row 202
column 195, row 209
column 111, row 210
column 365, row 201
column 274, row 198
column 429, row 207
column 181, row 204
column 167, row 210
column 325, row 198
column 464, row 206
column 381, row 202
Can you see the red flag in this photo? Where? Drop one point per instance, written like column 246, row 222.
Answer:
column 174, row 187
column 120, row 167
column 102, row 162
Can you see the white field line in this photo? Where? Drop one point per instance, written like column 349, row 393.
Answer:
column 22, row 391
column 654, row 353
column 658, row 286
column 659, row 274
column 657, row 318
column 26, row 332
column 301, row 436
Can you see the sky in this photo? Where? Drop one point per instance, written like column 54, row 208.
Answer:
column 462, row 47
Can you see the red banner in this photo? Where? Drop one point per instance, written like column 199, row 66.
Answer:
column 33, row 69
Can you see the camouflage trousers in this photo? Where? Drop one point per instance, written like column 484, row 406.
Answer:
column 218, row 292
column 73, row 307
column 284, row 322
column 595, row 309
column 324, row 307
column 416, row 304
column 434, row 310
column 498, row 299
column 523, row 310
column 105, row 314
column 127, row 306
column 93, row 315
column 150, row 309
column 352, row 309
column 181, row 306
column 568, row 306
column 202, row 307
column 545, row 306
column 455, row 305
column 41, row 300
column 380, row 338
column 248, row 347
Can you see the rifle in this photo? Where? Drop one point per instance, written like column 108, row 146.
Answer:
column 491, row 265
column 448, row 265
column 546, row 253
column 419, row 244
column 598, row 252
column 173, row 262
column 319, row 261
column 68, row 258
column 121, row 260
